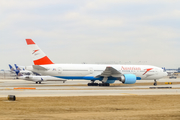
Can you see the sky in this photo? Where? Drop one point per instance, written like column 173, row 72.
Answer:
column 91, row 31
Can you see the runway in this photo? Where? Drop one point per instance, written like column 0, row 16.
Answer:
column 80, row 88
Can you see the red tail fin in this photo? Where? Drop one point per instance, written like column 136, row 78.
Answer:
column 39, row 57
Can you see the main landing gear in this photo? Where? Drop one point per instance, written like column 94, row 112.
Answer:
column 96, row 84
column 103, row 84
column 92, row 83
column 155, row 82
column 37, row 82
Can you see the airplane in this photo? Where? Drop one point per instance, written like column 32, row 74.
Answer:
column 12, row 70
column 32, row 77
column 107, row 74
column 171, row 72
column 24, row 72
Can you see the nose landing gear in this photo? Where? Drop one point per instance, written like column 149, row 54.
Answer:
column 37, row 82
column 155, row 82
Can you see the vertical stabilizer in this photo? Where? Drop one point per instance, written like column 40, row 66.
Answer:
column 39, row 57
column 18, row 73
column 11, row 68
column 17, row 68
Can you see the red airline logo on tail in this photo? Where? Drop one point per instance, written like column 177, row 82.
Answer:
column 147, row 70
column 35, row 51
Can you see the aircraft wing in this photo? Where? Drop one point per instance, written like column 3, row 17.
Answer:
column 110, row 71
column 37, row 74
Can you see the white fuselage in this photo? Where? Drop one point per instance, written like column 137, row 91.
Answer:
column 90, row 71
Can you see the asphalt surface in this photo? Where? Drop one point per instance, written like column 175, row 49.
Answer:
column 22, row 88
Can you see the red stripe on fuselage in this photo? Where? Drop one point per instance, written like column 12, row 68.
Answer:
column 43, row 61
column 30, row 42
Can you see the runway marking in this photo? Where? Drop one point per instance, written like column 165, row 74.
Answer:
column 128, row 94
column 7, row 88
column 25, row 88
column 9, row 101
column 73, row 88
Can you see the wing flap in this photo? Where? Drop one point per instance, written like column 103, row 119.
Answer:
column 110, row 71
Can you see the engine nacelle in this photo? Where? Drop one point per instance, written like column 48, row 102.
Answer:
column 128, row 79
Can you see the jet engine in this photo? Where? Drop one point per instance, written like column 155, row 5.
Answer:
column 128, row 79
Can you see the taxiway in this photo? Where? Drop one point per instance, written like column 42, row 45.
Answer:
column 80, row 88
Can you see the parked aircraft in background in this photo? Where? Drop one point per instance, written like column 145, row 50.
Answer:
column 11, row 68
column 127, row 74
column 15, row 71
column 29, row 76
column 24, row 72
column 18, row 68
column 171, row 72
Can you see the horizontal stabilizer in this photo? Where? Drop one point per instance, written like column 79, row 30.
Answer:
column 37, row 67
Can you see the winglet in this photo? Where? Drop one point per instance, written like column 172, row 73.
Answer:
column 39, row 57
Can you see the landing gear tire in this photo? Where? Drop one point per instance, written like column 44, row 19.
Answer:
column 96, row 84
column 39, row 82
column 155, row 83
column 103, row 84
column 89, row 84
column 92, row 84
column 36, row 82
column 107, row 84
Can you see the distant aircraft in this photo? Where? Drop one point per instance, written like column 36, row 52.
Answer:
column 24, row 72
column 31, row 77
column 11, row 68
column 171, row 72
column 15, row 71
column 127, row 74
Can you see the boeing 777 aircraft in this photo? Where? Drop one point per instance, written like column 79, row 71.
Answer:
column 127, row 74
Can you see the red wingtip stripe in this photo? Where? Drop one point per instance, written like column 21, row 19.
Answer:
column 29, row 41
column 43, row 61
